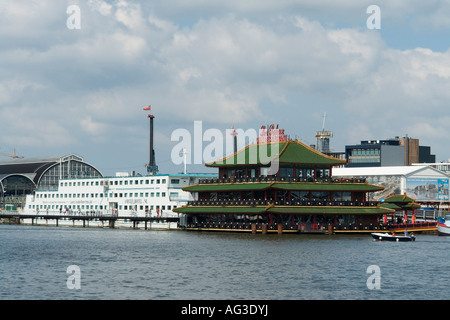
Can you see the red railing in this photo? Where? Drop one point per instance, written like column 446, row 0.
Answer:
column 413, row 226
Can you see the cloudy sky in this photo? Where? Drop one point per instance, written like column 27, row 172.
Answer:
column 225, row 63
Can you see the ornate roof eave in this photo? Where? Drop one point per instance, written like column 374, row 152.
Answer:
column 345, row 210
column 288, row 151
column 293, row 186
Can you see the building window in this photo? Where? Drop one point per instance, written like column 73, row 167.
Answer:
column 342, row 196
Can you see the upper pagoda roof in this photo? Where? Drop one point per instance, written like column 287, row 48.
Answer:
column 287, row 152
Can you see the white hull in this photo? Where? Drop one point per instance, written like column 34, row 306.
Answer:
column 389, row 237
column 122, row 196
column 443, row 227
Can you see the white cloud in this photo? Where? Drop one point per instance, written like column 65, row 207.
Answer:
column 233, row 63
column 100, row 6
column 129, row 14
column 94, row 128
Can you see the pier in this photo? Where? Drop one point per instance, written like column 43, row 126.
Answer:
column 108, row 220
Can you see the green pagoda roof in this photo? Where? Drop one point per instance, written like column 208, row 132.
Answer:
column 283, row 210
column 400, row 202
column 398, row 198
column 295, row 186
column 287, row 152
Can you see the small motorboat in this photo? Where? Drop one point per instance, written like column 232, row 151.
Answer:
column 393, row 237
column 443, row 226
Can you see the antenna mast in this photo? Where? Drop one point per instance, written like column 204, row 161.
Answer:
column 323, row 123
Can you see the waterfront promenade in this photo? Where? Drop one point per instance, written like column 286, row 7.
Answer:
column 109, row 220
column 161, row 222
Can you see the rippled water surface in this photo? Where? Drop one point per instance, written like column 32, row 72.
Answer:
column 138, row 264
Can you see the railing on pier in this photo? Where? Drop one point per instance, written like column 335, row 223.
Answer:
column 110, row 218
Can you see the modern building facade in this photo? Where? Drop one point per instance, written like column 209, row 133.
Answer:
column 427, row 185
column 392, row 152
column 22, row 176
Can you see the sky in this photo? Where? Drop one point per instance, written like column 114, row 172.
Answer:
column 77, row 82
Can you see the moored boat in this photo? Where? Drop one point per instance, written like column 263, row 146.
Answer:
column 392, row 237
column 443, row 226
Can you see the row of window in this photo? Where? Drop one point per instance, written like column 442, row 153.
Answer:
column 104, row 195
column 283, row 172
column 364, row 159
column 284, row 195
column 365, row 152
column 117, row 182
column 64, row 208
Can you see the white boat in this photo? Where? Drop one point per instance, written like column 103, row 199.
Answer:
column 123, row 195
column 443, row 226
column 392, row 237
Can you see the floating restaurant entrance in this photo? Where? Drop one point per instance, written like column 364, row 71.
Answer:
column 301, row 196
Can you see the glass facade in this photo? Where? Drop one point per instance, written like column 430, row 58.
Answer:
column 66, row 170
column 71, row 169
column 24, row 176
column 368, row 155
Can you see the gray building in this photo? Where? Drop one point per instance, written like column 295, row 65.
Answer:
column 22, row 176
column 392, row 152
column 427, row 185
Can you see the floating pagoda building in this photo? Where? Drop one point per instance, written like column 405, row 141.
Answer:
column 400, row 220
column 281, row 186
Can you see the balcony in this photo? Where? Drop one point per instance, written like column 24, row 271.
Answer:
column 279, row 179
column 314, row 203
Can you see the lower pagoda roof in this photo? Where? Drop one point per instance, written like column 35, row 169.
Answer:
column 400, row 202
column 282, row 210
column 294, row 186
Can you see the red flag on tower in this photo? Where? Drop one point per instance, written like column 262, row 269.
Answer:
column 147, row 108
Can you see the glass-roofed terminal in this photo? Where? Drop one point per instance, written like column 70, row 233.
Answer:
column 22, row 176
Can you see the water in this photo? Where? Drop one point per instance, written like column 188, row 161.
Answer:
column 139, row 264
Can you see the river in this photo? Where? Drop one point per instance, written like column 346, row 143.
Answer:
column 54, row 263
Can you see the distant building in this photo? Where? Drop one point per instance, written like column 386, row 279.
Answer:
column 22, row 176
column 392, row 152
column 441, row 166
column 323, row 143
column 427, row 185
